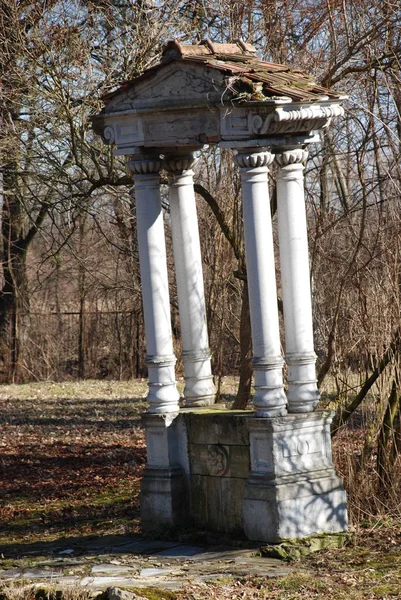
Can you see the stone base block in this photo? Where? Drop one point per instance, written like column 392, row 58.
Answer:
column 228, row 471
column 293, row 490
column 164, row 502
column 295, row 507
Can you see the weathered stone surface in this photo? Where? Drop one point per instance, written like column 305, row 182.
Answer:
column 293, row 490
column 116, row 594
column 290, row 444
column 296, row 549
column 172, row 569
column 153, row 572
column 181, row 552
column 219, row 460
column 40, row 574
column 102, row 583
column 216, row 426
column 110, row 569
column 7, row 574
column 217, row 502
column 163, row 499
column 164, row 487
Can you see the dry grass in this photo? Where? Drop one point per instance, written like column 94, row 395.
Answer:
column 71, row 458
column 12, row 591
column 71, row 461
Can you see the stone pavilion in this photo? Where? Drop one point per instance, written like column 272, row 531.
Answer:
column 265, row 474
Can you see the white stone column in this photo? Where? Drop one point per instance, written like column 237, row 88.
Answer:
column 303, row 395
column 270, row 399
column 199, row 386
column 163, row 395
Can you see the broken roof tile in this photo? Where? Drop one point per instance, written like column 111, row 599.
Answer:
column 239, row 61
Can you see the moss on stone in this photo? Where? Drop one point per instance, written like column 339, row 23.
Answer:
column 153, row 593
column 296, row 549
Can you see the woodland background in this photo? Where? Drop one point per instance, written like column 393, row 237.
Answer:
column 70, row 304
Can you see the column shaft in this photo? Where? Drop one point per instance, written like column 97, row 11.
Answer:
column 303, row 395
column 199, row 386
column 163, row 394
column 269, row 400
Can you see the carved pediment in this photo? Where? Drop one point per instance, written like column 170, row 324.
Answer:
column 215, row 93
column 171, row 85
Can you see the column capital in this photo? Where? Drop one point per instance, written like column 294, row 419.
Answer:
column 252, row 158
column 295, row 156
column 144, row 165
column 176, row 165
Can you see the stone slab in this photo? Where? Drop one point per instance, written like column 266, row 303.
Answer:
column 165, row 565
column 153, row 572
column 105, row 582
column 217, row 502
column 217, row 427
column 141, row 547
column 181, row 552
column 7, row 574
column 41, row 574
column 110, row 569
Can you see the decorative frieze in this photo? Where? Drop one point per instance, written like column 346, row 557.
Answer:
column 195, row 126
column 268, row 119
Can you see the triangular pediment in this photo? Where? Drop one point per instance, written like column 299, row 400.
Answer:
column 172, row 85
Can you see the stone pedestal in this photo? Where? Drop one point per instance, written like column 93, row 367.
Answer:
column 164, row 497
column 293, row 490
column 226, row 471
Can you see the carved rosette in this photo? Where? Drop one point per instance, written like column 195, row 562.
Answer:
column 254, row 160
column 217, row 460
column 297, row 156
column 144, row 166
column 178, row 164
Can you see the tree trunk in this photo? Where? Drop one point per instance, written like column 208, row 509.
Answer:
column 383, row 465
column 14, row 294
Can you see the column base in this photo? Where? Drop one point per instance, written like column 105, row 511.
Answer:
column 302, row 395
column 269, row 399
column 164, row 489
column 199, row 385
column 199, row 391
column 291, row 508
column 293, row 490
column 163, row 396
column 163, row 499
column 268, row 478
